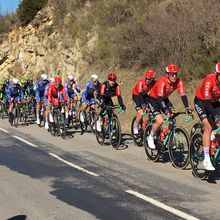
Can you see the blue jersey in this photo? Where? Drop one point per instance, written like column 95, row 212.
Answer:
column 15, row 91
column 70, row 89
column 40, row 85
column 90, row 88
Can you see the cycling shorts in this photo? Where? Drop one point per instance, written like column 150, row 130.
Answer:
column 155, row 106
column 202, row 111
column 39, row 96
column 137, row 103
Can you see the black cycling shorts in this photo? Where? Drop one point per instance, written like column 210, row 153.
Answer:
column 155, row 106
column 202, row 110
column 137, row 103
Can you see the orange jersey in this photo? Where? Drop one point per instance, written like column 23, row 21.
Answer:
column 141, row 86
column 164, row 88
column 208, row 89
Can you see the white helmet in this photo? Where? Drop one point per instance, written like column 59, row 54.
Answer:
column 15, row 81
column 52, row 79
column 94, row 77
column 43, row 76
column 70, row 77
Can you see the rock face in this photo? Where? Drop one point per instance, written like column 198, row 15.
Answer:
column 38, row 48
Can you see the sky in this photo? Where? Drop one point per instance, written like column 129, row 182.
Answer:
column 8, row 6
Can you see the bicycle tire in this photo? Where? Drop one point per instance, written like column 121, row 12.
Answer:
column 52, row 128
column 92, row 120
column 152, row 154
column 198, row 127
column 83, row 125
column 179, row 155
column 16, row 117
column 100, row 136
column 196, row 157
column 137, row 138
column 115, row 133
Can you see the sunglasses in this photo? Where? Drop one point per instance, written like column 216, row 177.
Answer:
column 149, row 80
column 172, row 74
column 57, row 84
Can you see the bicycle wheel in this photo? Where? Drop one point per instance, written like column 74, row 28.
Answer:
column 83, row 125
column 100, row 135
column 178, row 147
column 197, row 156
column 197, row 128
column 92, row 120
column 61, row 125
column 137, row 138
column 152, row 154
column 115, row 133
column 16, row 117
column 52, row 128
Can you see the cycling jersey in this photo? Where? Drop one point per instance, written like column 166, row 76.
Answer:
column 208, row 89
column 164, row 88
column 15, row 91
column 56, row 93
column 40, row 88
column 70, row 89
column 108, row 91
column 142, row 87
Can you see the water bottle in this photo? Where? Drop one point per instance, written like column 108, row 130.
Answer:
column 212, row 150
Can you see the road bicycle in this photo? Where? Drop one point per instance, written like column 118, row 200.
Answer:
column 4, row 107
column 110, row 127
column 90, row 117
column 138, row 138
column 173, row 139
column 57, row 126
column 197, row 154
column 73, row 119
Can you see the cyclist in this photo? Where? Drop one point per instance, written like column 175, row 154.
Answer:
column 2, row 89
column 71, row 88
column 56, row 93
column 89, row 95
column 15, row 94
column 207, row 106
column 159, row 102
column 109, row 89
column 40, row 88
column 140, row 95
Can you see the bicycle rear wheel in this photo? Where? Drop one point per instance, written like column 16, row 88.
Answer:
column 197, row 128
column 16, row 117
column 83, row 124
column 100, row 135
column 178, row 147
column 92, row 120
column 115, row 133
column 152, row 154
column 137, row 138
column 197, row 156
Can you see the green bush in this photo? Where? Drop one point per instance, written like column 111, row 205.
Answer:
column 27, row 10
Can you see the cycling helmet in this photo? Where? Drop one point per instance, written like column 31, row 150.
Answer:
column 26, row 77
column 172, row 69
column 150, row 74
column 217, row 68
column 94, row 77
column 23, row 81
column 43, row 76
column 112, row 76
column 57, row 79
column 7, row 81
column 70, row 77
column 15, row 81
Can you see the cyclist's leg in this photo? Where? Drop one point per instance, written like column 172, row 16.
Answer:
column 39, row 96
column 207, row 126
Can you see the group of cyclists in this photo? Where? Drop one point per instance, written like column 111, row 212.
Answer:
column 148, row 95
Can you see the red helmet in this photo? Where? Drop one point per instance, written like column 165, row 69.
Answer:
column 57, row 79
column 150, row 74
column 172, row 68
column 217, row 68
column 112, row 76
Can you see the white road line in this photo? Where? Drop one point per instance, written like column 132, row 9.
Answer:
column 162, row 206
column 4, row 130
column 73, row 165
column 26, row 142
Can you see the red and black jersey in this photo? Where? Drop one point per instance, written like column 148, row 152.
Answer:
column 107, row 91
column 208, row 89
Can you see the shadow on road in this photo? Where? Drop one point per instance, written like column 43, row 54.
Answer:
column 18, row 217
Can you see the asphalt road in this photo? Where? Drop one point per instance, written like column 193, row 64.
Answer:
column 45, row 177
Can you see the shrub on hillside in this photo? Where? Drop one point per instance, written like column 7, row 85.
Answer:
column 27, row 10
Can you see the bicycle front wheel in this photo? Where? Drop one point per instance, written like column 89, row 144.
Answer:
column 196, row 157
column 137, row 138
column 178, row 146
column 152, row 154
column 115, row 133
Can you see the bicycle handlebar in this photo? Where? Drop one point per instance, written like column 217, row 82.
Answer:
column 189, row 118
